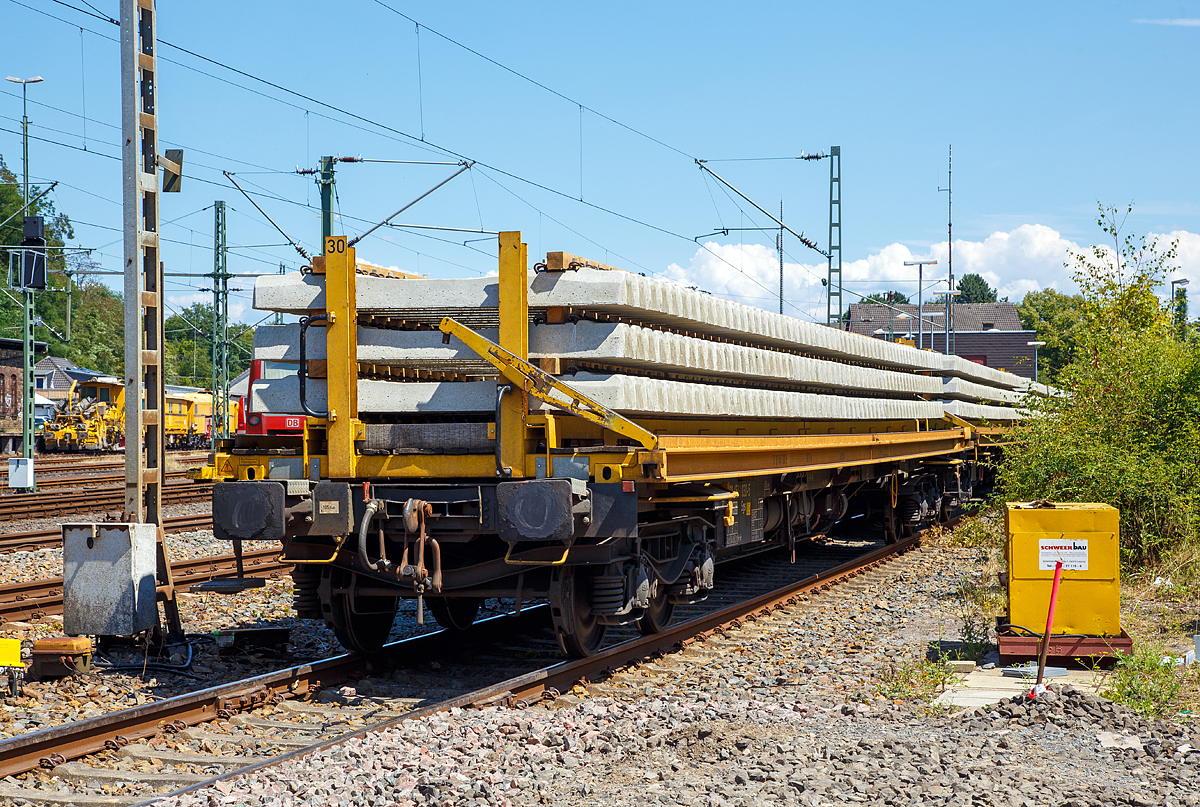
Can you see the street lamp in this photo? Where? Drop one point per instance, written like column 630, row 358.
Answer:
column 27, row 319
column 920, row 309
column 1035, row 346
column 1183, row 281
column 25, row 82
column 950, row 295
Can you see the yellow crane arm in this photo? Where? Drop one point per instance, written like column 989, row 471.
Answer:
column 540, row 384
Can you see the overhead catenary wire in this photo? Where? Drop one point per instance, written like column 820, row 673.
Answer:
column 413, row 139
column 536, row 83
column 303, row 253
column 466, row 165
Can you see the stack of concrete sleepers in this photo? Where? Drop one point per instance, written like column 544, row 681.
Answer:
column 640, row 346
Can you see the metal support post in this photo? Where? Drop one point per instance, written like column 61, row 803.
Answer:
column 145, row 449
column 779, row 246
column 920, row 301
column 341, row 349
column 833, row 314
column 278, row 320
column 920, row 307
column 325, row 180
column 950, row 252
column 220, row 328
column 514, row 337
column 27, row 399
column 27, row 314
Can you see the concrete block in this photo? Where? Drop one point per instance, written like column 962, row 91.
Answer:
column 618, row 293
column 627, row 394
column 972, row 411
column 616, row 344
column 958, row 367
column 109, row 578
column 963, row 390
column 291, row 293
column 633, row 297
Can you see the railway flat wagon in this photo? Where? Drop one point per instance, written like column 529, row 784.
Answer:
column 576, row 433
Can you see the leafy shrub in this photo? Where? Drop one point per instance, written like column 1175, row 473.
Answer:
column 1143, row 683
column 914, row 680
column 1126, row 431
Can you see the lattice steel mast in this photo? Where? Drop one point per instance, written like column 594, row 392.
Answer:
column 833, row 313
column 220, row 327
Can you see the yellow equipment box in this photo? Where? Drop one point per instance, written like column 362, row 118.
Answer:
column 1086, row 538
column 10, row 653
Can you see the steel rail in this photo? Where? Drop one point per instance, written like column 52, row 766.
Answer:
column 50, row 538
column 56, row 463
column 33, row 505
column 531, row 687
column 37, row 598
column 26, row 752
column 79, row 481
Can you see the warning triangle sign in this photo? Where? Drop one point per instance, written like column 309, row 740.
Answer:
column 227, row 467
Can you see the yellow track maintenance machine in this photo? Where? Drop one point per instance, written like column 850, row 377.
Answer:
column 579, row 434
column 87, row 425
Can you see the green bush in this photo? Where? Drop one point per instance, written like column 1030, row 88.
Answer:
column 1126, row 431
column 1143, row 683
column 914, row 680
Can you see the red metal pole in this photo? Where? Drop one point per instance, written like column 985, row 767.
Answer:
column 1049, row 625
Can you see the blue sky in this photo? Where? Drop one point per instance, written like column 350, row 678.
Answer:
column 1049, row 107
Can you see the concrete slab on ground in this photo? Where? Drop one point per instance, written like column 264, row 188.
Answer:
column 981, row 687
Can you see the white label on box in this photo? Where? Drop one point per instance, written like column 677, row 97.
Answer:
column 334, row 507
column 1073, row 552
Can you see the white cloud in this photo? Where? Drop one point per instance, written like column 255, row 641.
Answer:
column 1025, row 259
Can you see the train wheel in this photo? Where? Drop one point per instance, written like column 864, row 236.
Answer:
column 658, row 615
column 578, row 630
column 455, row 614
column 361, row 624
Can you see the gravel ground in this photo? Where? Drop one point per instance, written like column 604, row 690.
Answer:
column 56, row 702
column 780, row 710
column 52, row 522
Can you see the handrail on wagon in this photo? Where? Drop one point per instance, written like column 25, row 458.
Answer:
column 541, row 384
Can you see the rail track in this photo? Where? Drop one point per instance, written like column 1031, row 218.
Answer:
column 38, row 598
column 57, row 463
column 58, row 481
column 49, row 538
column 483, row 665
column 35, row 505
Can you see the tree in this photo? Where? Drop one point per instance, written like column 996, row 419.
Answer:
column 1126, row 430
column 49, row 304
column 97, row 334
column 1056, row 319
column 189, row 346
column 890, row 297
column 975, row 290
column 1179, row 309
